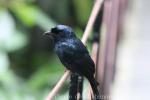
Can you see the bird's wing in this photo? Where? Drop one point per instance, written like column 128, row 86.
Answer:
column 74, row 55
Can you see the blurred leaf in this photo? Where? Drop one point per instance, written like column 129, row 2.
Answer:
column 7, row 26
column 64, row 96
column 79, row 32
column 59, row 9
column 31, row 15
column 4, row 63
column 82, row 10
column 48, row 74
column 44, row 21
column 25, row 13
column 17, row 41
column 10, row 38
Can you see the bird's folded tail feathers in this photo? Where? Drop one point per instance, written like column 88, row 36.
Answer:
column 94, row 85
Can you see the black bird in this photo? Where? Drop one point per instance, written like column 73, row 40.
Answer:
column 73, row 54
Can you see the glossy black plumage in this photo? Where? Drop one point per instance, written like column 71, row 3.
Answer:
column 73, row 54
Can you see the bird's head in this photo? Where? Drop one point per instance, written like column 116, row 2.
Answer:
column 60, row 32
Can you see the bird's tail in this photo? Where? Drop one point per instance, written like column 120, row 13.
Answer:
column 94, row 85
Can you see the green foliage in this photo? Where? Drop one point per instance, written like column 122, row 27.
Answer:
column 31, row 15
column 11, row 39
column 25, row 52
column 82, row 10
column 47, row 75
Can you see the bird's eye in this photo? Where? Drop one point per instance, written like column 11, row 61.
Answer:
column 56, row 31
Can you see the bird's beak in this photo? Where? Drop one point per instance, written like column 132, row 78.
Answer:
column 48, row 33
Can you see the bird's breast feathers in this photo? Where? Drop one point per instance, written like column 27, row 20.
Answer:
column 64, row 48
column 70, row 47
column 74, row 54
